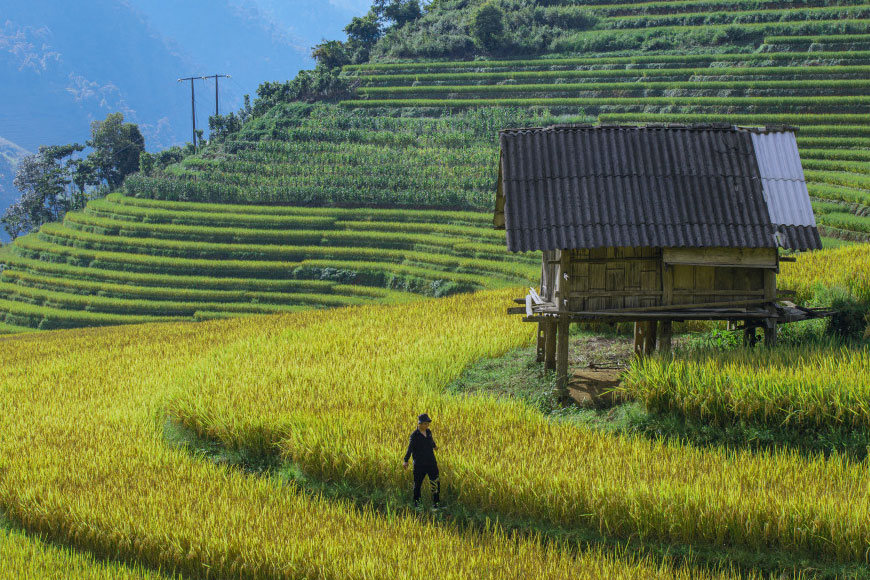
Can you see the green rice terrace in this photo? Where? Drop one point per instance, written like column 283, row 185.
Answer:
column 386, row 194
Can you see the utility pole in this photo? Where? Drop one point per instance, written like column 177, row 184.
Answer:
column 192, row 106
column 216, row 77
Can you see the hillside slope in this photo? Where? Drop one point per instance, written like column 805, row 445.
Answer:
column 416, row 145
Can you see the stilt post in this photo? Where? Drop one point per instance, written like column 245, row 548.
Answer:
column 649, row 343
column 550, row 346
column 666, row 334
column 770, row 294
column 540, row 351
column 769, row 332
column 639, row 334
column 562, row 356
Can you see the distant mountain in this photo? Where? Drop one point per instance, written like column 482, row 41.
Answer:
column 66, row 64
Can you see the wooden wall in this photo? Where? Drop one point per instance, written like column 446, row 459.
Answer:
column 622, row 278
column 705, row 275
column 611, row 278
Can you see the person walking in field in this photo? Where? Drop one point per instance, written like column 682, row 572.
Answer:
column 422, row 447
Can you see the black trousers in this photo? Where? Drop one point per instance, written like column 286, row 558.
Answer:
column 420, row 472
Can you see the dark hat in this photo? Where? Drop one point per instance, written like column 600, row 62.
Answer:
column 424, row 418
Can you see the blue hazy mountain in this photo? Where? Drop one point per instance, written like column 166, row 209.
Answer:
column 66, row 64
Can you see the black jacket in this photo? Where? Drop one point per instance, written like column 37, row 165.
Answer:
column 422, row 448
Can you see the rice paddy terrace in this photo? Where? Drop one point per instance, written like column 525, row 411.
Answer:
column 825, row 94
column 388, row 192
column 126, row 260
column 381, row 199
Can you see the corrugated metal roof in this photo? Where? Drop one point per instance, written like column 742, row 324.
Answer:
column 800, row 237
column 782, row 178
column 586, row 187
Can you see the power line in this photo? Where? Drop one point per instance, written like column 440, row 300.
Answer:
column 192, row 106
column 216, row 77
column 193, row 98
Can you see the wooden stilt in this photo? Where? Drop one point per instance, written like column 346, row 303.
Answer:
column 769, row 332
column 770, row 294
column 649, row 342
column 749, row 337
column 666, row 334
column 639, row 333
column 550, row 346
column 542, row 343
column 562, row 356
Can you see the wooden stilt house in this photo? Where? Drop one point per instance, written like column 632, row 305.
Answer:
column 652, row 224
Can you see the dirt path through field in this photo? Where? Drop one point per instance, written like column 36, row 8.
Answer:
column 597, row 363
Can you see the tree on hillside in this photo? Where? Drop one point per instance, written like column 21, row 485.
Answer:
column 46, row 175
column 397, row 13
column 362, row 34
column 55, row 181
column 45, row 180
column 383, row 17
column 487, row 26
column 220, row 127
column 117, row 146
column 330, row 54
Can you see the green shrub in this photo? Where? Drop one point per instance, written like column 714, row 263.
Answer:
column 850, row 319
column 487, row 26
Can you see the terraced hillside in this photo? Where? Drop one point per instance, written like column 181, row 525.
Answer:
column 130, row 259
column 126, row 260
column 281, row 225
column 825, row 94
column 381, row 199
column 593, row 26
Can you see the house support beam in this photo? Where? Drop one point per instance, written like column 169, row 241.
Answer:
column 749, row 336
column 666, row 332
column 639, row 331
column 649, row 343
column 645, row 337
column 540, row 351
column 770, row 294
column 562, row 356
column 550, row 346
column 770, row 332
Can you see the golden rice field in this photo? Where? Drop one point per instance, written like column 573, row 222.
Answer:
column 336, row 392
column 88, row 466
column 799, row 387
column 846, row 267
column 23, row 557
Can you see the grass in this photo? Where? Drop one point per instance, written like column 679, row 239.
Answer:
column 598, row 88
column 195, row 209
column 432, row 266
column 300, row 243
column 476, row 77
column 6, row 328
column 205, row 402
column 210, row 260
column 805, row 388
column 835, row 242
